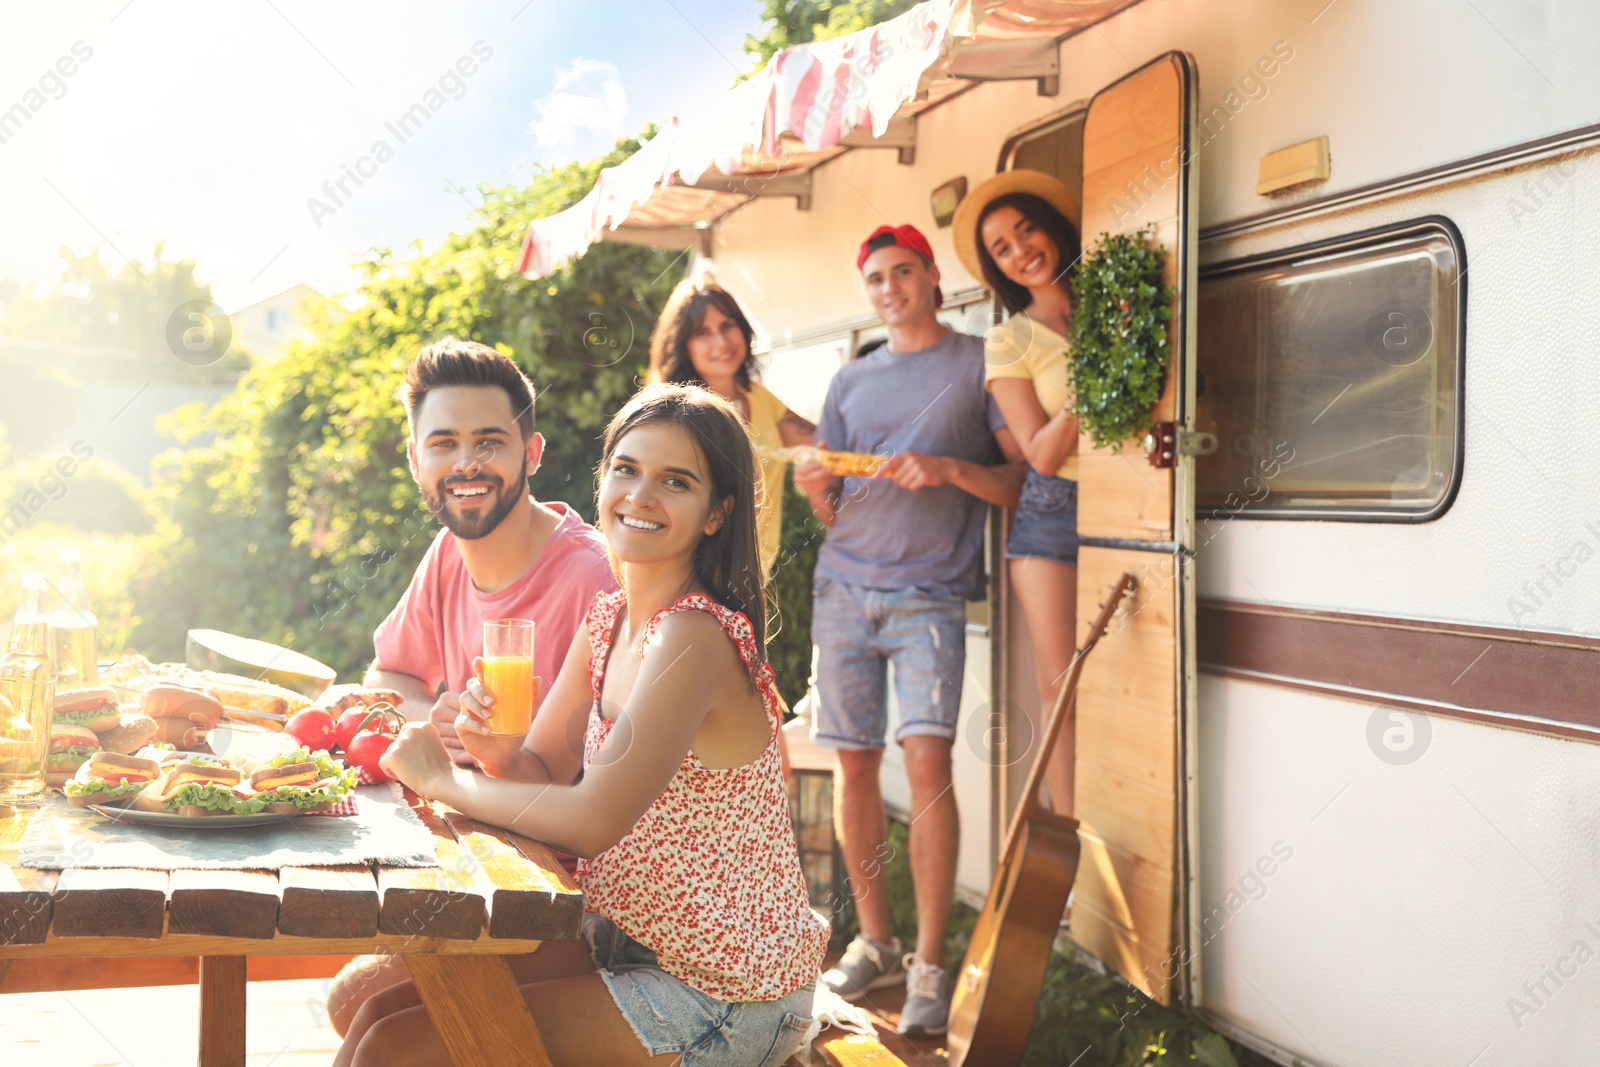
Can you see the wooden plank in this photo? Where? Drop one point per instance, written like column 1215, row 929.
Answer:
column 328, row 902
column 109, row 902
column 222, row 1020
column 533, row 896
column 463, row 996
column 38, row 976
column 56, row 947
column 25, row 894
column 450, row 900
column 225, row 903
column 857, row 1050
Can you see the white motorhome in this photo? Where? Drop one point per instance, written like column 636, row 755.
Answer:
column 1338, row 772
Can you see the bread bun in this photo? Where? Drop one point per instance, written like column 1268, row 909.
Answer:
column 133, row 731
column 198, row 707
column 195, row 811
column 59, row 779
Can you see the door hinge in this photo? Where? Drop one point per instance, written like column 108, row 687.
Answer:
column 1166, row 441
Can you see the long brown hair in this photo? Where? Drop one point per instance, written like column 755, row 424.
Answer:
column 685, row 311
column 1056, row 226
column 727, row 562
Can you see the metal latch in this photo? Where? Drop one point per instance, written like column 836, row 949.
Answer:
column 1166, row 441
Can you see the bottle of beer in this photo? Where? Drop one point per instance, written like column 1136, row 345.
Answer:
column 74, row 630
column 27, row 697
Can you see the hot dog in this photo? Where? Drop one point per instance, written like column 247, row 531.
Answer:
column 167, row 700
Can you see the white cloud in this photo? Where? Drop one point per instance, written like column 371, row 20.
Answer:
column 583, row 114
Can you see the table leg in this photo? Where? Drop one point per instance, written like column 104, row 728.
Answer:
column 478, row 1010
column 222, row 993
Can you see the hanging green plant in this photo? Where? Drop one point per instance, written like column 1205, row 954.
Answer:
column 1120, row 310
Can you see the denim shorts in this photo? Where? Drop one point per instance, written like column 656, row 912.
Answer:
column 858, row 633
column 672, row 1018
column 1047, row 520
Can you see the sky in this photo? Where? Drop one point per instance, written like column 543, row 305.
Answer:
column 224, row 129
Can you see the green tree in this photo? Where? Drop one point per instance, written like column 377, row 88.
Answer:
column 791, row 22
column 300, row 523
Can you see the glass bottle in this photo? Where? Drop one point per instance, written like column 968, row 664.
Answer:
column 27, row 697
column 73, row 628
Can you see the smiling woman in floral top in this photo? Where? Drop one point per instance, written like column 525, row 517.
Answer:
column 700, row 942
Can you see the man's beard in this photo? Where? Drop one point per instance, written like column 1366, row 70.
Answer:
column 472, row 529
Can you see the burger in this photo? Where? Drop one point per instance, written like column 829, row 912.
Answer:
column 70, row 748
column 298, row 787
column 133, row 731
column 197, row 789
column 94, row 708
column 110, row 778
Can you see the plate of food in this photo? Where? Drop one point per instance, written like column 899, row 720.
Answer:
column 191, row 790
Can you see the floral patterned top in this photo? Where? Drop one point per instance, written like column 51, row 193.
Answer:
column 709, row 877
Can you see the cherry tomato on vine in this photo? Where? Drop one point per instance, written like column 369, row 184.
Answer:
column 366, row 749
column 378, row 718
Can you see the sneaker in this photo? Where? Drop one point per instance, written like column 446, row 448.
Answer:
column 866, row 965
column 927, row 1008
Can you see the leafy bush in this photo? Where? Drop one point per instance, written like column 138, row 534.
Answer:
column 1120, row 310
column 97, row 496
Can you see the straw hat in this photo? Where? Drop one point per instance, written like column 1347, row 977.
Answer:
column 965, row 226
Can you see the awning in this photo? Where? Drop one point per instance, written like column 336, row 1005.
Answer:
column 811, row 103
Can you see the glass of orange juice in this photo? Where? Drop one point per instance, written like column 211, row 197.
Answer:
column 508, row 673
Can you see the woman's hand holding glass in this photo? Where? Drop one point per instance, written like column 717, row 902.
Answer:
column 495, row 752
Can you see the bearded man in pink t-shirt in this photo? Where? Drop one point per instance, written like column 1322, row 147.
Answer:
column 501, row 555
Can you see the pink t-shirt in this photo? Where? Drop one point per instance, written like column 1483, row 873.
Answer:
column 437, row 628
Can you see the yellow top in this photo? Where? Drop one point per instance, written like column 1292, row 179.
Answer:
column 765, row 411
column 1022, row 348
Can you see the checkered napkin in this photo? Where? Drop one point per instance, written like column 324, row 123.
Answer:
column 347, row 806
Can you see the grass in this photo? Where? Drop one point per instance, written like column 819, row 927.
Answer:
column 1085, row 1018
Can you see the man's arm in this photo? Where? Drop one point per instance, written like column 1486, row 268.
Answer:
column 418, row 700
column 1000, row 484
column 820, row 487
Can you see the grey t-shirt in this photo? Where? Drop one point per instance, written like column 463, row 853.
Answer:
column 931, row 401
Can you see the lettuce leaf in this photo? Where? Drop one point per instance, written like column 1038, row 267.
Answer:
column 213, row 797
column 327, row 765
column 303, row 798
column 76, row 788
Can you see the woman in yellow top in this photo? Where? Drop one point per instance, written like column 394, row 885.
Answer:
column 1016, row 231
column 703, row 338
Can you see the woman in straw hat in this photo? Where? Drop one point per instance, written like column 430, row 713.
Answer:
column 1017, row 231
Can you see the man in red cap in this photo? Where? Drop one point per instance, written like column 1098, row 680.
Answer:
column 903, row 556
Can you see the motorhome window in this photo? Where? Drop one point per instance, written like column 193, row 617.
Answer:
column 1055, row 148
column 1331, row 377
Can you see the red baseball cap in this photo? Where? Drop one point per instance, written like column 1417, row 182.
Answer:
column 907, row 236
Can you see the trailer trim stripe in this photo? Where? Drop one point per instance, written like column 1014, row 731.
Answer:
column 1521, row 679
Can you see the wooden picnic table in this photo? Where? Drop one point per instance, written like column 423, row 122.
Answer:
column 494, row 894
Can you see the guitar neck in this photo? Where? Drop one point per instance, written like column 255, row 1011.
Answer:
column 1031, row 806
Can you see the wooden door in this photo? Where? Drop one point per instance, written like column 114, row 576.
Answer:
column 1135, row 517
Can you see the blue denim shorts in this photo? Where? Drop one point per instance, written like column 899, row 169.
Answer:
column 672, row 1018
column 858, row 633
column 1047, row 520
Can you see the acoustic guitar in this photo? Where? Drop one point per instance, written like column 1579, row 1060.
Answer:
column 997, row 989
